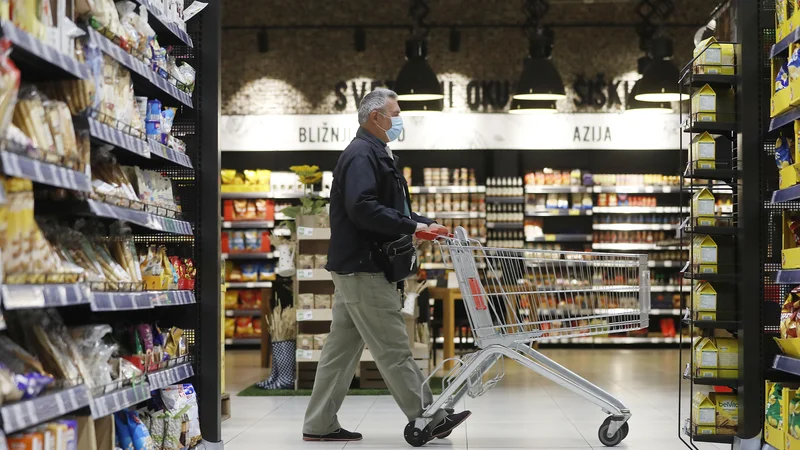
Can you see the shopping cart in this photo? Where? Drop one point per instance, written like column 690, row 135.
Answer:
column 515, row 297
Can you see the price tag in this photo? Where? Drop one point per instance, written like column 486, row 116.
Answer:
column 649, row 189
column 550, row 237
column 667, row 263
column 305, row 273
column 305, row 354
column 305, row 231
column 574, row 212
column 60, row 407
column 473, row 215
column 22, row 296
column 574, row 189
column 304, row 314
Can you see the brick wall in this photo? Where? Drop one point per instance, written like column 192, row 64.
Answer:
column 300, row 72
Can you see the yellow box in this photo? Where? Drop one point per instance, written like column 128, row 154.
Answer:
column 789, row 176
column 704, row 298
column 776, row 414
column 704, row 254
column 705, row 315
column 705, row 358
column 705, row 221
column 781, row 100
column 784, row 11
column 704, row 104
column 727, row 412
column 727, row 357
column 704, row 411
column 703, row 203
column 790, row 254
column 792, row 422
column 713, row 57
column 701, row 430
column 704, row 147
column 796, row 143
column 789, row 347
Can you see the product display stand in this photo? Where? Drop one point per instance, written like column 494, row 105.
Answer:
column 710, row 275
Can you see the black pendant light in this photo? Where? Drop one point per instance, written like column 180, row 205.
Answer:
column 540, row 79
column 532, row 107
column 422, row 108
column 659, row 82
column 416, row 81
column 633, row 106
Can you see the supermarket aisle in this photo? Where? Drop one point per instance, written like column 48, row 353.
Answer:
column 523, row 411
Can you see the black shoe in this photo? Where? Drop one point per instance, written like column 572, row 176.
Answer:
column 450, row 423
column 340, row 435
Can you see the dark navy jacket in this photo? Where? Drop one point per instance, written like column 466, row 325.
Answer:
column 369, row 196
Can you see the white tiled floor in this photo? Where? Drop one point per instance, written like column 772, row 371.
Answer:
column 523, row 411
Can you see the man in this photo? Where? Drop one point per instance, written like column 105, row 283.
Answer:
column 369, row 205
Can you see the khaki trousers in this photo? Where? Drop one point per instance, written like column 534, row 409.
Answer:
column 366, row 308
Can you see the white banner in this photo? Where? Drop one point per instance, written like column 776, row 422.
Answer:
column 458, row 132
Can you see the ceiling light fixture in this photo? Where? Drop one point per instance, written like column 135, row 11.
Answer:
column 659, row 81
column 634, row 106
column 540, row 79
column 417, row 81
column 424, row 108
column 646, row 30
column 532, row 107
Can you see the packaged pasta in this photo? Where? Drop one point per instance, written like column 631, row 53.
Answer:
column 29, row 116
column 9, row 85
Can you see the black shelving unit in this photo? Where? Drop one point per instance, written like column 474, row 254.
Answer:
column 195, row 232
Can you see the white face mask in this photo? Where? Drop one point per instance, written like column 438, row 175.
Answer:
column 397, row 127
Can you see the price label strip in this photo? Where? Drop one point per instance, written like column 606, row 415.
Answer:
column 170, row 376
column 45, row 173
column 305, row 273
column 305, row 354
column 119, row 400
column 20, row 296
column 121, row 301
column 305, row 314
column 118, row 138
column 46, row 52
column 25, row 414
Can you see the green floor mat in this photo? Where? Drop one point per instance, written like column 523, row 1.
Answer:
column 255, row 391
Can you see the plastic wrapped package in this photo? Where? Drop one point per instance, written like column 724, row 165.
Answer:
column 29, row 116
column 109, row 178
column 124, row 250
column 46, row 333
column 181, row 399
column 9, row 85
column 19, row 219
column 95, row 352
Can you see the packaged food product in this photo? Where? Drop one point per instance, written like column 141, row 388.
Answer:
column 124, row 438
column 228, row 176
column 782, row 79
column 230, row 328
column 305, row 262
column 256, row 326
column 250, row 299
column 789, row 313
column 322, row 301
column 305, row 301
column 320, row 261
column 252, row 240
column 249, row 272
column 9, row 85
column 69, row 433
column 783, row 152
column 29, row 116
column 266, row 271
column 231, row 299
column 182, row 398
column 305, row 342
column 236, row 241
column 319, row 341
column 27, row 441
column 244, row 326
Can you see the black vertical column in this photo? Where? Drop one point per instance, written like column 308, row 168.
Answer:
column 749, row 54
column 209, row 336
column 505, row 163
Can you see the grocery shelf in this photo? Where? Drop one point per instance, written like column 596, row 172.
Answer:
column 313, row 234
column 314, row 315
column 167, row 32
column 242, row 312
column 505, row 225
column 249, row 285
column 783, row 45
column 665, row 288
column 720, row 128
column 701, row 79
column 634, row 227
column 454, row 215
column 712, row 277
column 21, row 296
column 622, row 340
column 713, row 231
column 506, row 200
column 127, row 301
column 629, row 246
column 561, row 238
column 313, row 275
column 446, row 189
column 282, row 232
column 164, row 152
column 716, row 324
column 267, row 194
column 27, row 413
column 243, row 341
column 171, row 375
column 729, row 382
column 711, row 174
column 714, row 438
column 786, row 195
column 38, row 60
column 118, row 400
column 119, row 138
column 16, row 165
column 655, row 189
column 251, row 255
column 248, row 224
column 639, row 209
column 144, row 78
column 665, row 264
column 784, row 119
column 788, row 277
column 141, row 218
column 786, row 364
column 557, row 189
column 558, row 212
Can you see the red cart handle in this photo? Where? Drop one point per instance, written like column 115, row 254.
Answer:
column 431, row 236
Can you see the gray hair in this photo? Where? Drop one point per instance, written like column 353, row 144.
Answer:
column 375, row 100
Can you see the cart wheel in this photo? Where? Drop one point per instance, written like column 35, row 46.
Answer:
column 444, row 436
column 612, row 441
column 414, row 436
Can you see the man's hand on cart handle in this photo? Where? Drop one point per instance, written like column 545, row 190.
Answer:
column 431, row 232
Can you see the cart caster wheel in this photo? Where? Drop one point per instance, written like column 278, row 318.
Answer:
column 444, row 436
column 615, row 439
column 414, row 436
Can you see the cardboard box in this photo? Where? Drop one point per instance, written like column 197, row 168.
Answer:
column 792, row 422
column 705, row 315
column 727, row 357
column 704, row 298
column 704, row 254
column 776, row 414
column 703, row 203
column 727, row 412
column 86, row 434
column 784, row 23
column 789, row 176
column 704, row 147
column 713, row 57
column 305, row 342
column 705, row 358
column 790, row 253
column 704, row 104
column 704, row 411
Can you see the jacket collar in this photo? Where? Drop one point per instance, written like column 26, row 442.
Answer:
column 372, row 139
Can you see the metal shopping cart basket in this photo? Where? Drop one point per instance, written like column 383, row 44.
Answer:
column 515, row 297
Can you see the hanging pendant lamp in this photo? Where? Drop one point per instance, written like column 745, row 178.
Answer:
column 423, row 108
column 532, row 107
column 633, row 106
column 417, row 82
column 540, row 79
column 659, row 81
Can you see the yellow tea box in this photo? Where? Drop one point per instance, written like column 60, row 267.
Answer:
column 705, row 221
column 705, row 358
column 790, row 253
column 704, row 254
column 727, row 357
column 776, row 414
column 705, row 315
column 703, row 203
column 704, row 410
column 713, row 57
column 792, row 421
column 704, row 164
column 789, row 176
column 704, row 297
column 727, row 412
column 704, row 103
column 704, row 147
